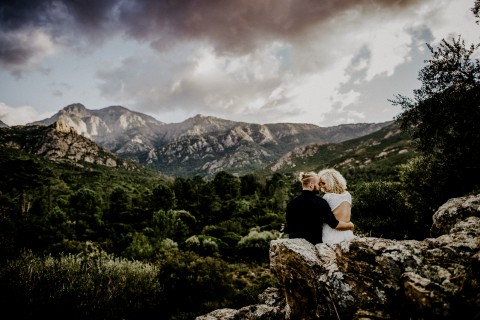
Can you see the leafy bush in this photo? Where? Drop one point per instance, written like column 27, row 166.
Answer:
column 140, row 248
column 196, row 285
column 204, row 245
column 379, row 210
column 256, row 245
column 425, row 188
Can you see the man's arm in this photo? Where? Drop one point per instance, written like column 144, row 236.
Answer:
column 290, row 220
column 333, row 222
column 345, row 226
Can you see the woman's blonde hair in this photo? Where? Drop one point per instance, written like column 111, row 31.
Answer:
column 307, row 177
column 334, row 180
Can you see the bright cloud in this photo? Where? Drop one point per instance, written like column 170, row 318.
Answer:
column 20, row 115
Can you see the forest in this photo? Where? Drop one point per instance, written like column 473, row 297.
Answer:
column 89, row 242
column 141, row 245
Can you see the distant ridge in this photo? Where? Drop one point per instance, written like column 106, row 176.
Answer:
column 385, row 148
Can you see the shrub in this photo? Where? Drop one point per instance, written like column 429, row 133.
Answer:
column 196, row 285
column 91, row 285
column 379, row 210
column 256, row 244
column 204, row 245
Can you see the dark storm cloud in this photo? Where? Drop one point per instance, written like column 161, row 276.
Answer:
column 17, row 14
column 236, row 26
column 232, row 27
column 13, row 50
column 22, row 21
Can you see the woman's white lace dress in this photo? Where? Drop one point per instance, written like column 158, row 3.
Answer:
column 330, row 235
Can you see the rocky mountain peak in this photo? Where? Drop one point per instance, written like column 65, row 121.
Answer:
column 116, row 109
column 209, row 123
column 76, row 109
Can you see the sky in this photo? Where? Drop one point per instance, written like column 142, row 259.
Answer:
column 324, row 62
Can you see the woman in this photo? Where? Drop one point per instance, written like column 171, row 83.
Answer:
column 335, row 187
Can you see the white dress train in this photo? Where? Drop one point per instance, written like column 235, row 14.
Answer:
column 330, row 235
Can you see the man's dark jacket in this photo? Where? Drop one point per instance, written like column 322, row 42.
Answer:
column 305, row 216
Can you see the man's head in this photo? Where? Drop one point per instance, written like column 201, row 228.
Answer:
column 309, row 181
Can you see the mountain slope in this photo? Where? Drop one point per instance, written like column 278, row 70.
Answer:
column 60, row 143
column 381, row 151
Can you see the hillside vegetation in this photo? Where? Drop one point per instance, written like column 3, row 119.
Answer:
column 372, row 157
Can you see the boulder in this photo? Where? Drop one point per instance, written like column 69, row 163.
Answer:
column 271, row 307
column 375, row 278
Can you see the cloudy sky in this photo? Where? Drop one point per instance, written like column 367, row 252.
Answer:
column 325, row 62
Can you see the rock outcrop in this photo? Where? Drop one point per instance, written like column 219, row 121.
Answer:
column 60, row 142
column 375, row 278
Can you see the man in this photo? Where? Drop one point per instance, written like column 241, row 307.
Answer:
column 307, row 212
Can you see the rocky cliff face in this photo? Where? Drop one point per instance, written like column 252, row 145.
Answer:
column 374, row 278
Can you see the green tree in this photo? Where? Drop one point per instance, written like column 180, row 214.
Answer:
column 21, row 177
column 194, row 195
column 227, row 186
column 9, row 224
column 279, row 191
column 476, row 10
column 443, row 118
column 168, row 224
column 163, row 198
column 86, row 214
column 120, row 202
column 140, row 248
column 419, row 179
column 120, row 220
column 379, row 210
column 56, row 228
column 250, row 184
column 183, row 192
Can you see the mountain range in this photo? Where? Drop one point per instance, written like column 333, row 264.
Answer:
column 200, row 145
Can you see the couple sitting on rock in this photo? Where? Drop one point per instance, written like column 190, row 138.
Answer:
column 318, row 219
